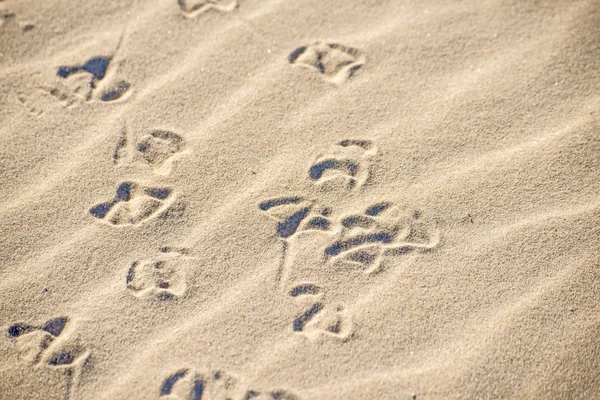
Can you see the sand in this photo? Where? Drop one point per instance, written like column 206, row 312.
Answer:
column 299, row 199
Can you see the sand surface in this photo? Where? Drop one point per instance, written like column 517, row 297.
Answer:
column 299, row 199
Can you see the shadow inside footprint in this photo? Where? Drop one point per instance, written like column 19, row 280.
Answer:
column 160, row 194
column 345, row 245
column 288, row 227
column 19, row 329
column 96, row 66
column 317, row 170
column 309, row 314
column 68, row 357
column 61, row 359
column 305, row 289
column 377, row 209
column 123, row 192
column 268, row 204
column 318, row 223
column 100, row 210
column 116, row 91
column 55, row 326
column 167, row 386
column 197, row 390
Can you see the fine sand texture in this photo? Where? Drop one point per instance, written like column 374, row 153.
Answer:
column 299, row 199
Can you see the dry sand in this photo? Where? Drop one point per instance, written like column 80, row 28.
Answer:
column 300, row 199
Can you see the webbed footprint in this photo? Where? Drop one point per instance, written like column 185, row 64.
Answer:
column 319, row 318
column 82, row 79
column 334, row 61
column 196, row 385
column 86, row 80
column 365, row 238
column 158, row 146
column 189, row 384
column 33, row 340
column 162, row 277
column 133, row 204
column 157, row 149
column 193, row 8
column 45, row 346
column 294, row 216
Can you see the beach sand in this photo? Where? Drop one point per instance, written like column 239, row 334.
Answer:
column 299, row 199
